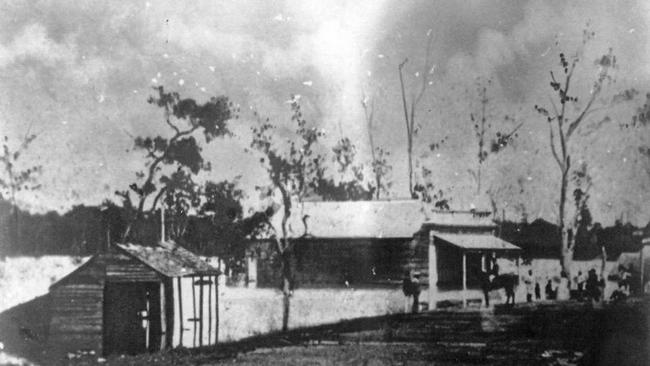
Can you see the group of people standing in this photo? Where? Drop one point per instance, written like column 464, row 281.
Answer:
column 533, row 287
column 583, row 287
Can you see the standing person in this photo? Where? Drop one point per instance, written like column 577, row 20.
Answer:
column 407, row 287
column 416, row 292
column 538, row 291
column 601, row 288
column 624, row 282
column 550, row 293
column 528, row 281
column 581, row 285
column 494, row 268
column 592, row 286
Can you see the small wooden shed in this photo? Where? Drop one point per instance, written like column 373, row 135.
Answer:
column 131, row 301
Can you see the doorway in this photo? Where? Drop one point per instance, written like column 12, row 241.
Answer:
column 131, row 317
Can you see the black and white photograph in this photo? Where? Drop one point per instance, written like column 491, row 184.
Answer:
column 325, row 182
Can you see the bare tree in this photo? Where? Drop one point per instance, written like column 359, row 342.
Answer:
column 563, row 125
column 380, row 167
column 292, row 173
column 410, row 108
column 483, row 123
column 16, row 179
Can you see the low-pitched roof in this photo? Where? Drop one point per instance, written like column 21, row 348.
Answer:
column 401, row 218
column 170, row 259
column 355, row 219
column 467, row 219
column 477, row 242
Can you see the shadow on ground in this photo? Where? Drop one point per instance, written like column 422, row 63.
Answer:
column 24, row 329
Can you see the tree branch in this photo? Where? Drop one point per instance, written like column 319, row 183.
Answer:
column 173, row 126
column 553, row 149
column 425, row 71
column 557, row 113
column 401, row 82
column 156, row 162
column 155, row 200
column 574, row 125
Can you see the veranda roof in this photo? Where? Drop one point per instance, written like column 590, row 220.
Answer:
column 477, row 242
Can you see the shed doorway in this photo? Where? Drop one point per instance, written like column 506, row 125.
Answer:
column 131, row 317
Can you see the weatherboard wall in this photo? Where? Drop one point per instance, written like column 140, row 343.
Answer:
column 76, row 307
column 321, row 262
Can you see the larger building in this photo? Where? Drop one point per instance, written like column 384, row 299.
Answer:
column 375, row 243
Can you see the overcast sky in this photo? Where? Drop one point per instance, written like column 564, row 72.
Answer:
column 79, row 74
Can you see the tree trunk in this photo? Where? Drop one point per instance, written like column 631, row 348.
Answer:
column 567, row 240
column 410, row 156
column 286, row 289
column 378, row 184
column 15, row 229
column 478, row 179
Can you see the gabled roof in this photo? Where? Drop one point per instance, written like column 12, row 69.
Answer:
column 477, row 242
column 169, row 259
column 91, row 261
column 371, row 219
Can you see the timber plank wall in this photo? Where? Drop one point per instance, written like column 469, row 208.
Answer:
column 77, row 301
column 77, row 311
column 359, row 261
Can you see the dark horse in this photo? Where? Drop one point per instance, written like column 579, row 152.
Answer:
column 504, row 281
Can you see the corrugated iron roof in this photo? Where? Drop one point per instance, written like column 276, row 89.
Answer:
column 170, row 259
column 459, row 219
column 371, row 219
column 354, row 219
column 477, row 242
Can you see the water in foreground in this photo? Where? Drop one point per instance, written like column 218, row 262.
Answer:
column 567, row 333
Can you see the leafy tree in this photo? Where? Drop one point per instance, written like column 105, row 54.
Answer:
column 427, row 191
column 565, row 120
column 181, row 194
column 223, row 209
column 410, row 109
column 293, row 173
column 181, row 151
column 351, row 186
column 16, row 179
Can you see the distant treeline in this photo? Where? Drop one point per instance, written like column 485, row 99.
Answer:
column 85, row 230
column 541, row 239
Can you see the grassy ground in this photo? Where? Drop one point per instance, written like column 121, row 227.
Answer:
column 543, row 334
